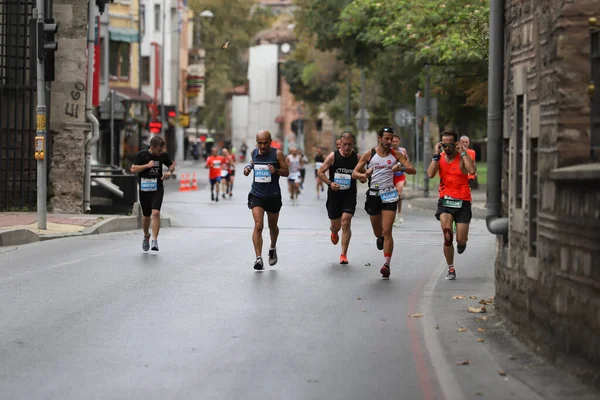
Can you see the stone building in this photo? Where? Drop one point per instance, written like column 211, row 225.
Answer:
column 65, row 100
column 547, row 274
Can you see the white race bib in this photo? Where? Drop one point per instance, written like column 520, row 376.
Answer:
column 389, row 195
column 344, row 180
column 148, row 184
column 262, row 173
column 318, row 165
column 217, row 164
column 224, row 173
column 295, row 176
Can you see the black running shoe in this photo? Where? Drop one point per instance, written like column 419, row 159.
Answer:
column 380, row 243
column 451, row 274
column 212, row 196
column 217, row 198
column 461, row 249
column 272, row 257
column 385, row 271
column 259, row 264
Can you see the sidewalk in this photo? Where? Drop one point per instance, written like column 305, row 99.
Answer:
column 21, row 227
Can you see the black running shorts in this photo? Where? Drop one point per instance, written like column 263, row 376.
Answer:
column 338, row 205
column 151, row 201
column 269, row 204
column 374, row 205
column 461, row 215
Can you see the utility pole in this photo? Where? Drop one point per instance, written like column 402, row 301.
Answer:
column 426, row 140
column 44, row 42
column 163, row 119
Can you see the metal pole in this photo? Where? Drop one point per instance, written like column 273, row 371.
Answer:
column 40, row 111
column 112, row 128
column 362, row 110
column 426, row 139
column 178, row 129
column 163, row 118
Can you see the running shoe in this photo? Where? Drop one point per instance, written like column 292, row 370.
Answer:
column 154, row 246
column 451, row 274
column 385, row 271
column 272, row 257
column 146, row 243
column 380, row 243
column 335, row 238
column 258, row 264
column 343, row 259
column 212, row 196
column 461, row 249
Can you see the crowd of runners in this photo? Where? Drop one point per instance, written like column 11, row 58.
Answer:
column 382, row 169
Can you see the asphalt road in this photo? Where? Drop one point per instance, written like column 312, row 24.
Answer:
column 96, row 318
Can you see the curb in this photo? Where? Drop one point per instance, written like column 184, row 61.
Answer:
column 118, row 224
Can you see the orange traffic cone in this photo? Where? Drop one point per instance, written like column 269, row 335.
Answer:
column 182, row 183
column 194, row 183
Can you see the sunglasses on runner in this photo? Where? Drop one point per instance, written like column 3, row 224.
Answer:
column 446, row 145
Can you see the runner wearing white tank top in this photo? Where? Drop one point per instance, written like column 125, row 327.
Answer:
column 378, row 165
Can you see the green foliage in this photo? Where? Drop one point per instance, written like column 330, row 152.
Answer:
column 236, row 21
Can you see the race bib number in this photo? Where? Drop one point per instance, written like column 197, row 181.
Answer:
column 344, row 180
column 224, row 173
column 389, row 195
column 448, row 201
column 295, row 176
column 149, row 185
column 318, row 165
column 217, row 164
column 262, row 174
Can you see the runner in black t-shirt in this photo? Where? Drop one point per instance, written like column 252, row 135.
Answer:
column 319, row 159
column 148, row 164
column 336, row 172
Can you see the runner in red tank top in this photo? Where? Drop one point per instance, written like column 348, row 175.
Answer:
column 454, row 204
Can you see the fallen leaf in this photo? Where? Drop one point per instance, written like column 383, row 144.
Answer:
column 462, row 329
column 358, row 298
column 485, row 302
column 501, row 373
column 465, row 362
column 437, row 327
column 458, row 297
column 484, row 318
column 415, row 315
column 226, row 44
column 478, row 394
column 491, row 298
column 481, row 330
column 476, row 310
column 472, row 297
column 367, row 264
column 383, row 319
column 480, row 340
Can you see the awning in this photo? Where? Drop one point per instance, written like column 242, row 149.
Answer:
column 133, row 95
column 123, row 35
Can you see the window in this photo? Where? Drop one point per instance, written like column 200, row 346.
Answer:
column 533, row 196
column 519, row 150
column 157, row 17
column 142, row 20
column 119, row 60
column 145, row 70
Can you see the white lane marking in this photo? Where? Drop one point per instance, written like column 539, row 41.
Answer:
column 440, row 364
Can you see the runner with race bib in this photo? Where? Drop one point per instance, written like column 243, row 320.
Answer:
column 454, row 204
column 294, row 161
column 319, row 159
column 379, row 165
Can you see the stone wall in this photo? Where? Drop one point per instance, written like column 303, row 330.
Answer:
column 548, row 288
column 68, row 107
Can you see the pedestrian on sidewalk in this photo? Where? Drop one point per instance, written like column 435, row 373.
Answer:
column 148, row 164
column 268, row 164
column 454, row 204
column 336, row 173
column 378, row 165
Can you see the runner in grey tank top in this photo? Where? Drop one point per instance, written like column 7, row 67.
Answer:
column 379, row 165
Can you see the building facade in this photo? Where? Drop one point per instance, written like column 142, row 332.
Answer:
column 547, row 279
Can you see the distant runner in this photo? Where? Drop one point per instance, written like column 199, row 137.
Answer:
column 382, row 197
column 336, row 172
column 148, row 164
column 225, row 172
column 319, row 159
column 294, row 161
column 454, row 204
column 465, row 141
column 213, row 162
column 399, row 179
column 265, row 195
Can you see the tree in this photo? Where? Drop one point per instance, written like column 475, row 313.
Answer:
column 236, row 22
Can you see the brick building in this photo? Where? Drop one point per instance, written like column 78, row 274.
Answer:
column 547, row 275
